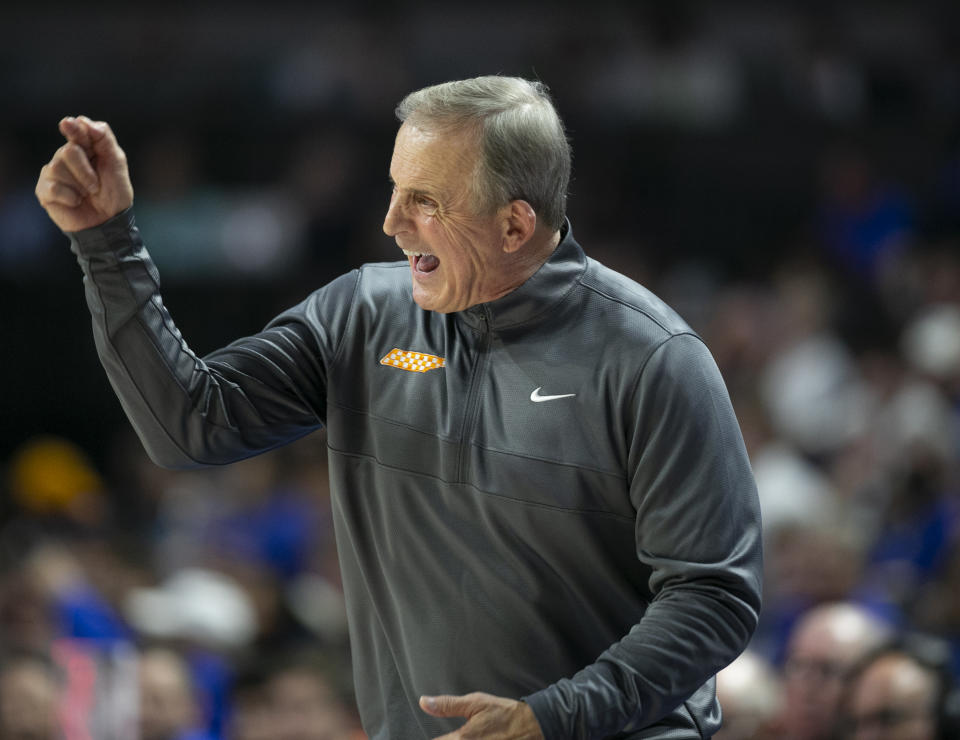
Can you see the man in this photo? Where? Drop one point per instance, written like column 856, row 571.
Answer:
column 751, row 694
column 545, row 515
column 823, row 648
column 30, row 696
column 168, row 708
column 306, row 703
column 902, row 691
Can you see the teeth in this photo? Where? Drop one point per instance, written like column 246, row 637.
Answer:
column 411, row 253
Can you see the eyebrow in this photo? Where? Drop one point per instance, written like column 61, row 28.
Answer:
column 413, row 191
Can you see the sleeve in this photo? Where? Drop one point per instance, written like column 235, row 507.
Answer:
column 255, row 394
column 698, row 529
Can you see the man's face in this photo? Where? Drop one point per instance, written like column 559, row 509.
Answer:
column 166, row 706
column 28, row 702
column 819, row 655
column 455, row 251
column 893, row 700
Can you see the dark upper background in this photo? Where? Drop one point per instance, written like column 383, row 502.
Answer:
column 704, row 134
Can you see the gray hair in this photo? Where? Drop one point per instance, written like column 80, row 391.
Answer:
column 524, row 152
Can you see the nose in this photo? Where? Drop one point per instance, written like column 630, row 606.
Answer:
column 393, row 221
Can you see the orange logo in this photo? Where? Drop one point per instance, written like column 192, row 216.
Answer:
column 414, row 362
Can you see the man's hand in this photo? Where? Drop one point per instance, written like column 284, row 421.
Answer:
column 488, row 717
column 87, row 181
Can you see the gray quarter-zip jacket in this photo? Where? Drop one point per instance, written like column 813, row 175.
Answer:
column 543, row 497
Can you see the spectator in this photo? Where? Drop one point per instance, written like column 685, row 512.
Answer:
column 168, row 709
column 309, row 703
column 865, row 224
column 937, row 609
column 251, row 716
column 29, row 695
column 824, row 646
column 751, row 698
column 902, row 691
column 300, row 697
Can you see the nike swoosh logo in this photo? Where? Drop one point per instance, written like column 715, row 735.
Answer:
column 537, row 398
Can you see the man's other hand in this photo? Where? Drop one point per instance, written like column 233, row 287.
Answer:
column 87, row 181
column 488, row 717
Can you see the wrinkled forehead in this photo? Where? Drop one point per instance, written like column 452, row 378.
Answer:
column 433, row 156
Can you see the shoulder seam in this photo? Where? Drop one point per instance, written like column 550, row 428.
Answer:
column 646, row 362
column 656, row 349
column 635, row 307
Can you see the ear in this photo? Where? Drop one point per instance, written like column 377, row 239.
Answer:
column 519, row 224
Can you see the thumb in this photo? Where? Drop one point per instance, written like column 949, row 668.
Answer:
column 450, row 706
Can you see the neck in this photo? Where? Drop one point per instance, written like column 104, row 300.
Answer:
column 539, row 250
column 529, row 259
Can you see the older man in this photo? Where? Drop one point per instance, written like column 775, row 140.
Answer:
column 823, row 648
column 903, row 690
column 545, row 515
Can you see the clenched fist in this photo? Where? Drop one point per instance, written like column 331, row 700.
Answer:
column 87, row 181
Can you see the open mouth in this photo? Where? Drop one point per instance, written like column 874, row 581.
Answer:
column 421, row 262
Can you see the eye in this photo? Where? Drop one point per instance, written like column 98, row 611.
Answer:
column 428, row 205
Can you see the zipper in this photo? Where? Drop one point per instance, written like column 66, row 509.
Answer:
column 471, row 410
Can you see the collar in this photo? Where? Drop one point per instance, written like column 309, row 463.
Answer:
column 538, row 295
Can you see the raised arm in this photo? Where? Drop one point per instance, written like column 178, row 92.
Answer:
column 253, row 395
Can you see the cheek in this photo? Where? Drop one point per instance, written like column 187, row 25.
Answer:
column 450, row 242
column 464, row 240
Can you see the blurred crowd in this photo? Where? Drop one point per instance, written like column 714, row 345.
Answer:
column 788, row 179
column 203, row 605
column 845, row 373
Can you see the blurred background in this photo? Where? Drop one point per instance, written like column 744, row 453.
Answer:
column 785, row 174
